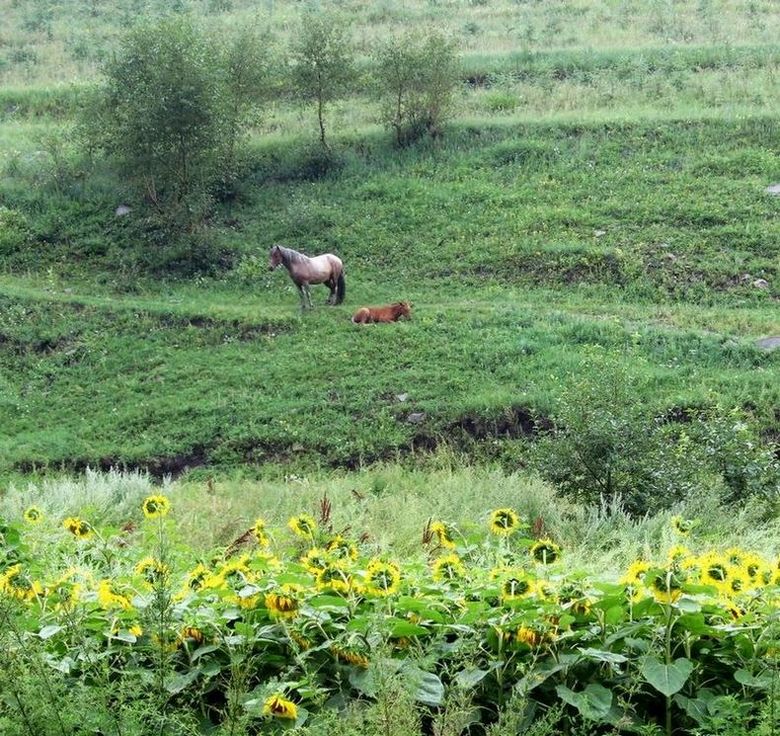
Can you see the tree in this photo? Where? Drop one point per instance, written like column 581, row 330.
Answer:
column 323, row 64
column 160, row 115
column 416, row 77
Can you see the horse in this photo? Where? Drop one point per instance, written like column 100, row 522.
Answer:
column 390, row 313
column 325, row 269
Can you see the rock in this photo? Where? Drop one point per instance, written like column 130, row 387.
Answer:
column 416, row 417
column 402, row 397
column 761, row 284
column 745, row 278
column 769, row 343
column 122, row 210
column 671, row 257
column 599, row 233
column 773, row 189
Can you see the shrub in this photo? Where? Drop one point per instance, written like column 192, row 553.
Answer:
column 416, row 78
column 323, row 65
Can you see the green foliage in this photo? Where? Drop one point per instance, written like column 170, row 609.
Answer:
column 415, row 77
column 610, row 444
column 323, row 63
column 161, row 116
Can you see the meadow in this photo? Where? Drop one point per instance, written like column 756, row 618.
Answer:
column 592, row 258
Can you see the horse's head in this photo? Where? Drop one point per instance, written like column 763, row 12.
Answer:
column 403, row 309
column 274, row 257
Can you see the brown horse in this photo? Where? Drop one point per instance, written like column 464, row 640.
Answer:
column 325, row 269
column 390, row 313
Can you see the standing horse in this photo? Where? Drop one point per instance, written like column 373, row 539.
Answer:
column 325, row 269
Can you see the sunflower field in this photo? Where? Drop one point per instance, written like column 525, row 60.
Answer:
column 287, row 624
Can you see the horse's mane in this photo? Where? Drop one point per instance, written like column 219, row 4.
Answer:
column 288, row 254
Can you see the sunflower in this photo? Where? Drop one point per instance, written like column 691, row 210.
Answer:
column 517, row 584
column 136, row 630
column 504, row 522
column 682, row 526
column 334, row 577
column 448, row 568
column 196, row 578
column 315, row 560
column 342, row 548
column 636, row 572
column 545, row 551
column 191, row 634
column 677, row 555
column 715, row 570
column 33, row 515
column 444, row 533
column 154, row 506
column 532, row 637
column 303, row 525
column 350, row 656
column 16, row 583
column 736, row 556
column 284, row 603
column 77, row 527
column 259, row 531
column 279, row 707
column 382, row 578
column 108, row 597
column 152, row 570
column 665, row 585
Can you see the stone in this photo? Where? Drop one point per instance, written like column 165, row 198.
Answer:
column 122, row 210
column 773, row 189
column 599, row 233
column 761, row 284
column 402, row 397
column 416, row 417
column 769, row 343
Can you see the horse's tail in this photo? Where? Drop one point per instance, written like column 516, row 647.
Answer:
column 341, row 288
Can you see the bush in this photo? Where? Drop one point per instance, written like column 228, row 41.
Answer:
column 606, row 444
column 416, row 78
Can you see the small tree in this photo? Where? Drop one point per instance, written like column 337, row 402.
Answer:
column 160, row 114
column 416, row 77
column 323, row 63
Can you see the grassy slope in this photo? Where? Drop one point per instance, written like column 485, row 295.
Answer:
column 593, row 195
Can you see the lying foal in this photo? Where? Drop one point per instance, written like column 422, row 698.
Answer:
column 390, row 313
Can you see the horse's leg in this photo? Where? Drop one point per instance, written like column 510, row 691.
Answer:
column 307, row 290
column 331, row 283
column 302, row 295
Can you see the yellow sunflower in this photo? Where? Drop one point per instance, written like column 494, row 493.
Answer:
column 448, row 568
column 545, row 551
column 284, row 603
column 517, row 584
column 33, row 515
column 315, row 560
column 109, row 597
column 156, row 506
column 350, row 656
column 279, row 707
column 334, row 577
column 77, row 527
column 382, row 578
column 342, row 548
column 152, row 570
column 504, row 522
column 259, row 531
column 682, row 526
column 303, row 525
column 16, row 583
column 444, row 533
column 665, row 585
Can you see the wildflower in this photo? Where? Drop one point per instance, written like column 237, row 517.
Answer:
column 155, row 506
column 342, row 548
column 152, row 571
column 682, row 526
column 109, row 597
column 444, row 534
column 545, row 551
column 504, row 522
column 77, row 527
column 33, row 515
column 280, row 707
column 284, row 603
column 383, row 578
column 136, row 630
column 448, row 568
column 303, row 526
column 259, row 531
